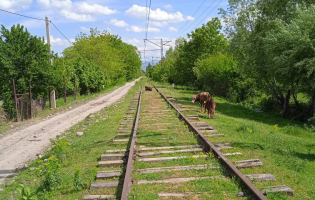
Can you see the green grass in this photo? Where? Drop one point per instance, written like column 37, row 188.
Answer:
column 150, row 136
column 286, row 148
column 76, row 152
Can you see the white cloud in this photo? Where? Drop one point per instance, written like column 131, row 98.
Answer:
column 159, row 24
column 158, row 14
column 59, row 4
column 30, row 23
column 172, row 29
column 108, row 29
column 77, row 17
column 79, row 11
column 84, row 29
column 190, row 18
column 149, row 46
column 140, row 45
column 168, row 7
column 59, row 41
column 94, row 9
column 14, row 5
column 119, row 23
column 140, row 29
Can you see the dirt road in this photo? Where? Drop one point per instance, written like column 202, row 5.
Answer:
column 21, row 146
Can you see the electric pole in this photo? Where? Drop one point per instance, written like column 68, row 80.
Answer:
column 162, row 56
column 163, row 43
column 52, row 96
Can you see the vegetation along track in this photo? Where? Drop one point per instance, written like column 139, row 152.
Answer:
column 159, row 157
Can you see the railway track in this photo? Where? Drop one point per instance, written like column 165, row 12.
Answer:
column 157, row 156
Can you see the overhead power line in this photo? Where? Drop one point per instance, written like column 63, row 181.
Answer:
column 192, row 16
column 39, row 20
column 147, row 25
column 147, row 29
column 208, row 14
column 22, row 15
column 198, row 17
column 60, row 32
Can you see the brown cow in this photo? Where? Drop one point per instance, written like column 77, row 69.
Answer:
column 210, row 106
column 201, row 98
column 147, row 88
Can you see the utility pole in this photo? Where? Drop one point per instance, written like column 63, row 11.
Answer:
column 52, row 95
column 163, row 43
column 48, row 37
column 162, row 56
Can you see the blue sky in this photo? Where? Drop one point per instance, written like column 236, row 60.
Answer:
column 120, row 17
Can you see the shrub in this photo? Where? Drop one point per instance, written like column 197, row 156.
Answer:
column 216, row 74
column 26, row 193
column 78, row 180
column 61, row 149
column 49, row 169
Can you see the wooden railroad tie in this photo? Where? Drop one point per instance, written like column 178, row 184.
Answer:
column 112, row 174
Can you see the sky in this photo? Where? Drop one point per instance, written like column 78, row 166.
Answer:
column 169, row 19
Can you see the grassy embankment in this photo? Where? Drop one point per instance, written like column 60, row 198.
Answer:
column 62, row 106
column 74, row 153
column 286, row 148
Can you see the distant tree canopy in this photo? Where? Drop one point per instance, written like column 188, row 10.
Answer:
column 94, row 61
column 268, row 51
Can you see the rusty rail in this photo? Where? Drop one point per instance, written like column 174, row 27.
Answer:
column 132, row 153
column 209, row 146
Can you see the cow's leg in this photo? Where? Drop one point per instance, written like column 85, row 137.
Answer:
column 201, row 106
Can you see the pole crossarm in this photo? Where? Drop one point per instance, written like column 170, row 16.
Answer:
column 152, row 42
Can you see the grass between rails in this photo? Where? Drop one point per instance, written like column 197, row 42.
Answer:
column 61, row 107
column 161, row 131
column 286, row 148
column 76, row 154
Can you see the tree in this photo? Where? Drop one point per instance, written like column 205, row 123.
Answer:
column 25, row 59
column 202, row 42
column 271, row 46
column 217, row 74
column 116, row 60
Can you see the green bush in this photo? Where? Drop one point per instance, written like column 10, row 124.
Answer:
column 61, row 149
column 49, row 169
column 216, row 74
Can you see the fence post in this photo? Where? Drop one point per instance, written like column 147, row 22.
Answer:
column 64, row 87
column 75, row 89
column 52, row 99
column 15, row 101
column 30, row 97
column 22, row 107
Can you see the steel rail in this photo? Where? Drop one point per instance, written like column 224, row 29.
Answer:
column 209, row 146
column 132, row 154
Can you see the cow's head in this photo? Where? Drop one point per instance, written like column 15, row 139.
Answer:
column 194, row 98
column 212, row 113
column 212, row 109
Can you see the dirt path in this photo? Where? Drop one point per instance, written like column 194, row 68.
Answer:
column 21, row 146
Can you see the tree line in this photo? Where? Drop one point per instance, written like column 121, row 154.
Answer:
column 94, row 61
column 264, row 56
